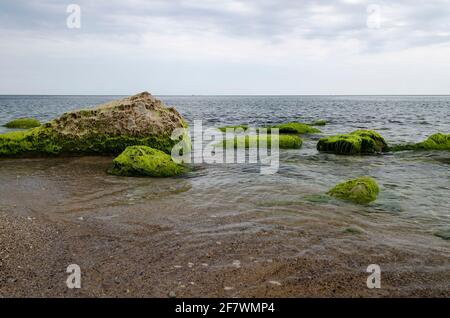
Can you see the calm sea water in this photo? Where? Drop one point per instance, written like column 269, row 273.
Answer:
column 414, row 186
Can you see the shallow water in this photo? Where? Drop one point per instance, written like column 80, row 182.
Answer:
column 414, row 186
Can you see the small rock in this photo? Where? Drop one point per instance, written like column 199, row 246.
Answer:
column 172, row 294
column 274, row 282
column 228, row 288
column 190, row 265
column 236, row 263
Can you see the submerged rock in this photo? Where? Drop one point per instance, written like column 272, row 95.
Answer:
column 319, row 123
column 106, row 129
column 357, row 142
column 437, row 141
column 295, row 128
column 23, row 123
column 253, row 141
column 145, row 161
column 362, row 190
column 224, row 128
column 443, row 234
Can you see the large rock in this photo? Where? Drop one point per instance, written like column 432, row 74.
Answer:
column 357, row 142
column 143, row 161
column 106, row 129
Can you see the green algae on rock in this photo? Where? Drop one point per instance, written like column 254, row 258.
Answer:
column 295, row 128
column 437, row 141
column 357, row 142
column 224, row 128
column 106, row 129
column 145, row 161
column 362, row 190
column 23, row 123
column 319, row 123
column 253, row 141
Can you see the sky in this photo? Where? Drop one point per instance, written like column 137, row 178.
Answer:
column 255, row 47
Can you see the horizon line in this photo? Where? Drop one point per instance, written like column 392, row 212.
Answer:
column 194, row 95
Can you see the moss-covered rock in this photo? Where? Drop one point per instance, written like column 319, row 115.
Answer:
column 295, row 128
column 224, row 128
column 23, row 123
column 319, row 123
column 145, row 161
column 357, row 142
column 107, row 129
column 284, row 141
column 361, row 190
column 437, row 141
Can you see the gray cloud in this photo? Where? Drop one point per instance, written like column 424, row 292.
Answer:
column 233, row 46
column 404, row 23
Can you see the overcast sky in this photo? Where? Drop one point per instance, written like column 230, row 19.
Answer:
column 226, row 47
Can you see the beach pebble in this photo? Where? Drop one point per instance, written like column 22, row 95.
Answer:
column 236, row 263
column 172, row 294
column 178, row 266
column 190, row 264
column 228, row 288
column 205, row 265
column 274, row 282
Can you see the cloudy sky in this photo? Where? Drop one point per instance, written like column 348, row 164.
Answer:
column 225, row 47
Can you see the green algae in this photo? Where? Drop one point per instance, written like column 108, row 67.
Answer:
column 145, row 161
column 352, row 230
column 357, row 142
column 319, row 123
column 45, row 141
column 295, row 128
column 225, row 128
column 23, row 123
column 437, row 141
column 284, row 141
column 362, row 190
column 317, row 198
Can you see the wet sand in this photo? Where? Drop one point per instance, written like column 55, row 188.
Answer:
column 159, row 238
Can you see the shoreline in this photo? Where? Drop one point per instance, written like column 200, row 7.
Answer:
column 157, row 245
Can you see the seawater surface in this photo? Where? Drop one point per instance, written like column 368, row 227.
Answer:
column 280, row 220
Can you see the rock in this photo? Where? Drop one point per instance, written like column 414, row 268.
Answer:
column 295, row 128
column 253, row 141
column 437, row 141
column 106, row 129
column 362, row 190
column 357, row 142
column 319, row 123
column 443, row 234
column 172, row 294
column 145, row 161
column 224, row 128
column 23, row 123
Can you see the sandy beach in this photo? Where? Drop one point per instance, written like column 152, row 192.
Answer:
column 51, row 216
